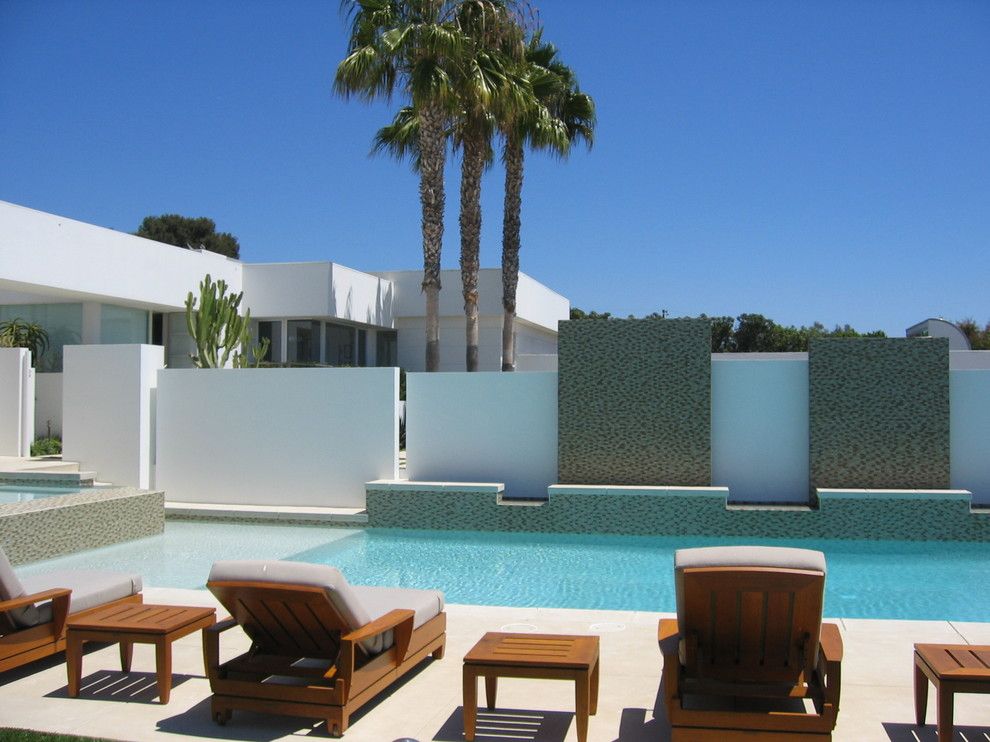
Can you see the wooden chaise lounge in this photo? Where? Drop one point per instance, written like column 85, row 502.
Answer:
column 748, row 652
column 33, row 610
column 320, row 647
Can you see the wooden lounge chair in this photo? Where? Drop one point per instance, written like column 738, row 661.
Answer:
column 748, row 652
column 320, row 647
column 29, row 631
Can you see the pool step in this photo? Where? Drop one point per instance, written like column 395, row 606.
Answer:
column 41, row 478
column 281, row 514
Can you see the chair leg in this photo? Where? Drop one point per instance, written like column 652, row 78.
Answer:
column 438, row 652
column 920, row 695
column 221, row 714
column 337, row 724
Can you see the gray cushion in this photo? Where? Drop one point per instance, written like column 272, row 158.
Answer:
column 10, row 588
column 90, row 588
column 357, row 605
column 750, row 556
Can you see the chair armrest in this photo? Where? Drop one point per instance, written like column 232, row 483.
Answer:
column 830, row 663
column 211, row 646
column 380, row 625
column 25, row 600
column 669, row 637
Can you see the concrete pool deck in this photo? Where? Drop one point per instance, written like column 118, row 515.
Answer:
column 876, row 704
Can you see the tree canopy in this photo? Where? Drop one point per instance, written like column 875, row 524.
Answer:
column 754, row 333
column 183, row 231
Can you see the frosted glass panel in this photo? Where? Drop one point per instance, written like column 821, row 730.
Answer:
column 62, row 322
column 123, row 325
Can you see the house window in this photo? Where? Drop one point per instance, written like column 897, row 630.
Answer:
column 362, row 348
column 340, row 345
column 120, row 325
column 387, row 348
column 304, row 342
column 62, row 322
column 271, row 331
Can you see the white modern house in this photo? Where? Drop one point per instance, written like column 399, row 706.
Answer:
column 91, row 285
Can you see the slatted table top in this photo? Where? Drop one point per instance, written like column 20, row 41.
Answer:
column 956, row 661
column 141, row 618
column 534, row 650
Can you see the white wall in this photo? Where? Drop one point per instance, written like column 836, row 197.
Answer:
column 301, row 436
column 107, row 414
column 969, row 432
column 534, row 302
column 47, row 404
column 323, row 290
column 44, row 250
column 483, row 427
column 16, row 402
column 453, row 343
column 760, row 430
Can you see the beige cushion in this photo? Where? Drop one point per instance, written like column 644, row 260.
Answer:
column 750, row 556
column 10, row 588
column 90, row 588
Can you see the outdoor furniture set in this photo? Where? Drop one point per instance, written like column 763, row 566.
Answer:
column 746, row 652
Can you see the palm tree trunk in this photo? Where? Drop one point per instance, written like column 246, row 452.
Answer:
column 511, row 220
column 431, row 196
column 471, row 170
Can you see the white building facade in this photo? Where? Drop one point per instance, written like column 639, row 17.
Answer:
column 91, row 285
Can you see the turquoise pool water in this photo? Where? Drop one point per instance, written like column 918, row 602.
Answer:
column 10, row 493
column 866, row 579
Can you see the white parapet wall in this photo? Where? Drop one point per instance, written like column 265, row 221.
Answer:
column 108, row 410
column 277, row 437
column 969, row 432
column 760, row 426
column 483, row 427
column 16, row 402
column 48, row 404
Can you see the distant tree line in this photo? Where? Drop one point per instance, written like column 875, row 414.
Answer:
column 978, row 339
column 754, row 333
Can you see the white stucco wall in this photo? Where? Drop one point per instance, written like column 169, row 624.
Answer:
column 320, row 289
column 305, row 437
column 535, row 302
column 483, row 427
column 47, row 404
column 62, row 255
column 969, row 432
column 760, row 429
column 16, row 402
column 107, row 412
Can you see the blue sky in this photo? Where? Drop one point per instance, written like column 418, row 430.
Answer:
column 823, row 161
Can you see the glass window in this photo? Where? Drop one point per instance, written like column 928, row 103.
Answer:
column 304, row 341
column 272, row 331
column 122, row 325
column 387, row 348
column 362, row 348
column 62, row 322
column 340, row 345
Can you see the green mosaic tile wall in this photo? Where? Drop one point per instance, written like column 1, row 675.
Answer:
column 879, row 413
column 634, row 402
column 932, row 518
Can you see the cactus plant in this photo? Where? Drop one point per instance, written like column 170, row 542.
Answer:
column 221, row 334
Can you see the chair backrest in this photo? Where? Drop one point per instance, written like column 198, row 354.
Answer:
column 749, row 614
column 10, row 588
column 290, row 608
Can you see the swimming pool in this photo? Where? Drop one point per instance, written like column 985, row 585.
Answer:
column 11, row 493
column 866, row 579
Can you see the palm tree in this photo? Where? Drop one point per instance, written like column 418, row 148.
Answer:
column 411, row 44
column 560, row 115
column 484, row 86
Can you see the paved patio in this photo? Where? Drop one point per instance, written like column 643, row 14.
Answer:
column 877, row 696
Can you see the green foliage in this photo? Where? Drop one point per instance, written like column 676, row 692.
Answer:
column 754, row 333
column 183, row 231
column 218, row 329
column 17, row 333
column 27, row 735
column 978, row 339
column 46, row 447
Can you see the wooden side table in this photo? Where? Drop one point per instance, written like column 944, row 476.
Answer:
column 135, row 623
column 952, row 668
column 551, row 656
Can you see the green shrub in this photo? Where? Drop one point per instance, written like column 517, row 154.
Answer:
column 46, row 447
